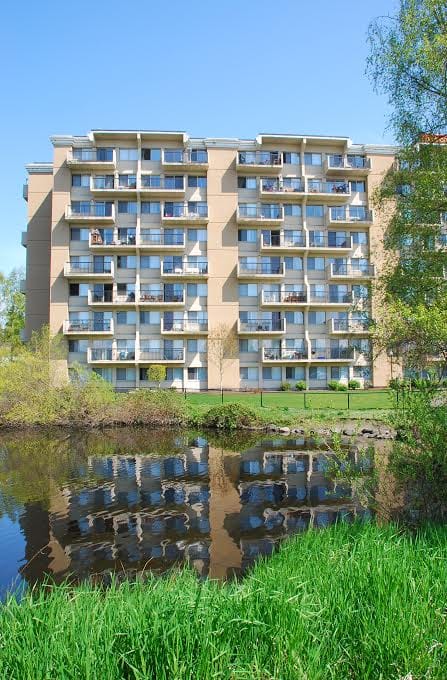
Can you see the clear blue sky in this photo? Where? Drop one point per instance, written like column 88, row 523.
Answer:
column 233, row 68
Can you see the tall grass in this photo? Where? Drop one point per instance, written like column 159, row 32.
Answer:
column 349, row 602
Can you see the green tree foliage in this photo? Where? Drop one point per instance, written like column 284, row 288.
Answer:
column 12, row 310
column 156, row 373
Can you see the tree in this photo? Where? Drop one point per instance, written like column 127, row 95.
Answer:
column 223, row 348
column 12, row 310
column 156, row 373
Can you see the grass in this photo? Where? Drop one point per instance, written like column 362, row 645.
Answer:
column 360, row 601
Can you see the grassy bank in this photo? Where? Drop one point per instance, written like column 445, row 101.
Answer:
column 348, row 602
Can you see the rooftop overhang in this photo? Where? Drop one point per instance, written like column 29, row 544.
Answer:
column 43, row 168
column 315, row 140
column 144, row 135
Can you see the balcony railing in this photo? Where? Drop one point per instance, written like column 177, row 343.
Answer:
column 262, row 326
column 276, row 241
column 164, row 183
column 104, row 155
column 325, row 241
column 109, row 297
column 352, row 214
column 349, row 325
column 152, row 355
column 260, row 158
column 111, row 239
column 184, row 326
column 286, row 185
column 160, row 239
column 284, row 354
column 331, row 298
column 88, row 267
column 315, row 186
column 186, row 268
column 185, row 212
column 88, row 326
column 160, row 296
column 352, row 271
column 348, row 162
column 194, row 156
column 109, row 354
column 248, row 212
column 278, row 297
column 335, row 353
column 260, row 269
column 96, row 210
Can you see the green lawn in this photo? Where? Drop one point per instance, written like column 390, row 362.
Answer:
column 358, row 400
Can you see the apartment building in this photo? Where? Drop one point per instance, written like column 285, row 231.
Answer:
column 140, row 244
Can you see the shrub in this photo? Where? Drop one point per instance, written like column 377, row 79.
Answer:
column 354, row 385
column 285, row 387
column 155, row 407
column 156, row 373
column 300, row 385
column 230, row 416
column 336, row 386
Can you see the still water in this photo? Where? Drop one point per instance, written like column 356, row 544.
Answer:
column 130, row 501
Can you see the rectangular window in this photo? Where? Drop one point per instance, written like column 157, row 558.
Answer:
column 246, row 182
column 150, row 318
column 78, row 289
column 295, row 318
column 271, row 373
column 294, row 263
column 359, row 238
column 295, row 373
column 174, row 373
column 80, row 181
column 317, row 318
column 312, row 158
column 197, row 181
column 291, row 158
column 197, row 289
column 126, row 318
column 104, row 373
column 196, row 346
column 128, row 154
column 126, row 262
column 150, row 262
column 79, row 234
column 78, row 346
column 150, row 207
column 127, row 181
column 292, row 210
column 248, row 290
column 125, row 374
column 339, row 373
column 358, row 185
column 314, row 211
column 127, row 207
column 248, row 345
column 197, row 235
column 317, row 373
column 362, row 372
column 315, row 264
column 197, row 373
column 247, row 235
column 248, row 373
column 151, row 155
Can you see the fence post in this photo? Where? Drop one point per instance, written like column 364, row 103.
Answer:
column 184, row 392
column 305, row 400
column 221, row 395
column 349, row 402
column 261, row 399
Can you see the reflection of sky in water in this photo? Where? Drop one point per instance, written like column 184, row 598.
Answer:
column 143, row 510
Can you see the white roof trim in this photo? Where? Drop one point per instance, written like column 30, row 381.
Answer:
column 39, row 168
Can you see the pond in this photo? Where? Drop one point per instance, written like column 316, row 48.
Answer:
column 131, row 501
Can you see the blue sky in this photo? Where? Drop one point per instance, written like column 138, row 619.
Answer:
column 233, row 68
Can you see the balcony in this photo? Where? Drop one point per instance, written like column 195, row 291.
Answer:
column 22, row 286
column 337, row 190
column 343, row 326
column 161, row 241
column 260, row 326
column 181, row 159
column 260, row 215
column 91, row 212
column 179, row 214
column 89, row 270
column 280, row 243
column 289, row 187
column 147, row 355
column 325, row 243
column 283, row 299
column 331, row 354
column 96, row 355
column 348, row 272
column 260, row 270
column 91, row 159
column 114, row 241
column 337, row 164
column 185, row 270
column 184, row 327
column 358, row 215
column 103, row 185
column 111, row 299
column 88, row 327
column 331, row 299
column 24, row 239
column 25, row 191
column 259, row 161
column 149, row 297
column 284, row 355
column 154, row 185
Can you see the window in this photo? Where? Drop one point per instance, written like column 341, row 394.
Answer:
column 317, row 318
column 78, row 234
column 295, row 373
column 314, row 211
column 197, row 373
column 248, row 290
column 129, row 181
column 292, row 210
column 339, row 373
column 150, row 318
column 78, row 289
column 197, row 181
column 78, row 346
column 196, row 346
column 125, row 374
column 200, row 235
column 247, row 235
column 291, row 158
column 295, row 318
column 359, row 238
column 126, row 318
column 174, row 373
column 128, row 154
column 199, row 156
column 150, row 262
column 150, row 207
column 249, row 345
column 197, row 208
column 317, row 373
column 248, row 373
column 312, row 158
column 246, row 182
column 315, row 264
column 358, row 185
column 362, row 345
column 104, row 373
column 129, row 207
column 294, row 263
column 151, row 155
column 126, row 262
column 197, row 289
column 80, row 181
column 271, row 373
column 362, row 372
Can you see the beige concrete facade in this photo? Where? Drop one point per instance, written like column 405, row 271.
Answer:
column 140, row 244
